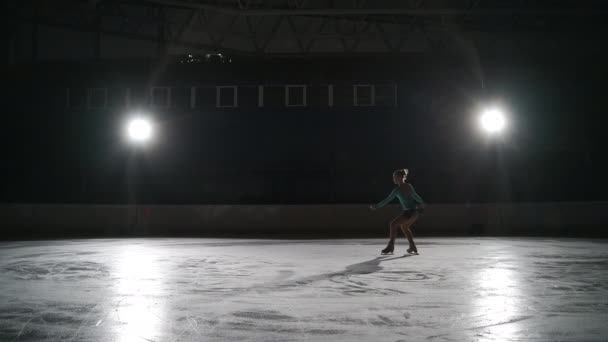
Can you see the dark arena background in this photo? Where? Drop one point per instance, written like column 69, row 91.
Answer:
column 189, row 170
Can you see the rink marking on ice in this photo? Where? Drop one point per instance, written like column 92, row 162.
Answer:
column 22, row 328
column 185, row 328
column 190, row 319
column 508, row 321
column 84, row 322
column 515, row 319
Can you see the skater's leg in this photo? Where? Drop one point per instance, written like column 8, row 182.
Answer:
column 405, row 228
column 410, row 238
column 393, row 230
column 408, row 233
column 394, row 226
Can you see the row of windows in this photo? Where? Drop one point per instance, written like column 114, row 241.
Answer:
column 235, row 96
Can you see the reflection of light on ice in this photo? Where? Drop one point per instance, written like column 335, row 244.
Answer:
column 496, row 309
column 139, row 314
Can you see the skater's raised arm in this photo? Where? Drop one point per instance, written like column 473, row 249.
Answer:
column 387, row 200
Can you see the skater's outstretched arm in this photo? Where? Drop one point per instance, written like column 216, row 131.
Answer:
column 387, row 200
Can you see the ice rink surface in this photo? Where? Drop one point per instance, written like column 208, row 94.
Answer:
column 304, row 290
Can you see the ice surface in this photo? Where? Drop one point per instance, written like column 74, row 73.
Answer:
column 329, row 290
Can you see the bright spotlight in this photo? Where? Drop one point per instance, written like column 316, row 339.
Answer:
column 139, row 130
column 492, row 120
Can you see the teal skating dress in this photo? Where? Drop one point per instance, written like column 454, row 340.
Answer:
column 410, row 202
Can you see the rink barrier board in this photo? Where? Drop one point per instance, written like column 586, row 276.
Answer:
column 341, row 220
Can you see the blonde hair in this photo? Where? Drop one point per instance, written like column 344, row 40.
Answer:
column 401, row 173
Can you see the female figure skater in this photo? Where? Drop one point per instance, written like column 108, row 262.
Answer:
column 412, row 205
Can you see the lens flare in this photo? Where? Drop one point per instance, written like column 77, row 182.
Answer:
column 139, row 130
column 492, row 120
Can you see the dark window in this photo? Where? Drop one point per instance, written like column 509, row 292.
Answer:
column 226, row 96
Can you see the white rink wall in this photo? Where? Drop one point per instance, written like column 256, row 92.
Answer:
column 526, row 219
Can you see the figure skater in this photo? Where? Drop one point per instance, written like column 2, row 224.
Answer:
column 412, row 206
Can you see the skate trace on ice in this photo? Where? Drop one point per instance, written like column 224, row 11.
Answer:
column 338, row 290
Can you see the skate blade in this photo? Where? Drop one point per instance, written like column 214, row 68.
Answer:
column 389, row 253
